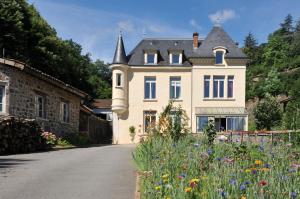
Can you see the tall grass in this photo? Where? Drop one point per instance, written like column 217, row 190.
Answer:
column 191, row 168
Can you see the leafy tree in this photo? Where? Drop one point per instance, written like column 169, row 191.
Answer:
column 267, row 113
column 250, row 47
column 272, row 83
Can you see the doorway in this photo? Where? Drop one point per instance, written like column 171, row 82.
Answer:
column 220, row 124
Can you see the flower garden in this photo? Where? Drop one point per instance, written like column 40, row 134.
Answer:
column 189, row 166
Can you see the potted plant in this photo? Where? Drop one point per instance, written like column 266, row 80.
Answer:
column 132, row 132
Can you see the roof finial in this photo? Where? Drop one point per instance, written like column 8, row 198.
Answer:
column 218, row 22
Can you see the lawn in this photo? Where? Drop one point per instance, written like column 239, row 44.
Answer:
column 192, row 168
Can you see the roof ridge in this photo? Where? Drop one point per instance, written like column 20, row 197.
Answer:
column 166, row 38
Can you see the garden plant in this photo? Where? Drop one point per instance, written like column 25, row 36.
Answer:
column 188, row 166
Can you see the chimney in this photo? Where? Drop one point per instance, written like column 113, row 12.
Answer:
column 196, row 42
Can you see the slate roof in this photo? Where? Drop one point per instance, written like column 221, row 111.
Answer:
column 217, row 37
column 120, row 54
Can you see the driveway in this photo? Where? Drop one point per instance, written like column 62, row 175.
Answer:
column 83, row 173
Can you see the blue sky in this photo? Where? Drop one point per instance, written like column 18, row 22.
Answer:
column 95, row 24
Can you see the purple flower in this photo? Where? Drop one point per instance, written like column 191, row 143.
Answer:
column 254, row 171
column 223, row 194
column 232, row 181
column 242, row 187
column 292, row 170
column 293, row 194
column 246, row 183
column 267, row 166
column 218, row 158
column 210, row 151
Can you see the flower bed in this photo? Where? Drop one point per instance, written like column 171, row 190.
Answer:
column 192, row 168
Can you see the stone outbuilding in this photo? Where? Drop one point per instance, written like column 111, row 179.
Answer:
column 29, row 93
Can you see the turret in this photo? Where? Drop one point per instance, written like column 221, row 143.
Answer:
column 119, row 68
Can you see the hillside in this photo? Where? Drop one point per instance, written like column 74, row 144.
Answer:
column 274, row 68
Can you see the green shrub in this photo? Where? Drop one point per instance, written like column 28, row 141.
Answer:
column 132, row 133
column 210, row 132
column 77, row 139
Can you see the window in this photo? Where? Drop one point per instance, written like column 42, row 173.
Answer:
column 2, row 95
column 119, row 79
column 235, row 123
column 65, row 111
column 150, row 88
column 175, row 58
column 149, row 119
column 219, row 57
column 175, row 87
column 206, row 86
column 40, row 106
column 201, row 123
column 230, row 87
column 150, row 58
column 218, row 86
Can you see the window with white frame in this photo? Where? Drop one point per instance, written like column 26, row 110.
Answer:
column 150, row 58
column 230, row 86
column 175, row 87
column 118, row 79
column 149, row 120
column 150, row 88
column 40, row 106
column 219, row 57
column 218, row 89
column 65, row 111
column 206, row 86
column 2, row 99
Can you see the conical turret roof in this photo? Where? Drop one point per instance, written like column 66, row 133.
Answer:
column 120, row 54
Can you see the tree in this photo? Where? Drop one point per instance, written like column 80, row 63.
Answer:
column 287, row 25
column 272, row 83
column 250, row 47
column 267, row 113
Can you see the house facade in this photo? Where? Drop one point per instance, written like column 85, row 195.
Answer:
column 205, row 76
column 28, row 93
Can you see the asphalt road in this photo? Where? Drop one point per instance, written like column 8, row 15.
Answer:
column 105, row 172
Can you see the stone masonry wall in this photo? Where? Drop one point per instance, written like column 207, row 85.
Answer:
column 21, row 92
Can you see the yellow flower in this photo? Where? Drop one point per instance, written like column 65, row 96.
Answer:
column 165, row 176
column 157, row 188
column 167, row 197
column 265, row 169
column 248, row 170
column 194, row 180
column 188, row 189
column 204, row 177
column 243, row 197
column 258, row 162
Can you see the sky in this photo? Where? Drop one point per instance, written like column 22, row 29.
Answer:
column 96, row 24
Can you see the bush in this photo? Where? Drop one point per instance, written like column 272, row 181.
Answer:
column 77, row 139
column 132, row 132
column 51, row 138
column 21, row 136
column 210, row 132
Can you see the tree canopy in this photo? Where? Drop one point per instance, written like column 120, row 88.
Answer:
column 26, row 36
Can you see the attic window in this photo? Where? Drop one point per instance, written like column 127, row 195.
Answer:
column 150, row 58
column 175, row 57
column 219, row 57
column 219, row 53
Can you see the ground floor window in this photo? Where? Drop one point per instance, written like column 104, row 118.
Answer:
column 149, row 119
column 40, row 106
column 201, row 123
column 221, row 123
column 65, row 111
column 235, row 123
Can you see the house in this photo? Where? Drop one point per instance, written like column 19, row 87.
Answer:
column 205, row 76
column 102, row 108
column 29, row 93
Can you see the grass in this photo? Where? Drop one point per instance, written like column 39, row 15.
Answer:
column 190, row 168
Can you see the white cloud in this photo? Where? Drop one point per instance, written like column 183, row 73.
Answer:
column 221, row 16
column 195, row 24
column 126, row 26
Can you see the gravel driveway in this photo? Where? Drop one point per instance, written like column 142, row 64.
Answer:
column 83, row 173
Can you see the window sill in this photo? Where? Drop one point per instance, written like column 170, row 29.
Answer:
column 218, row 99
column 150, row 64
column 219, row 64
column 176, row 100
column 150, row 100
column 118, row 86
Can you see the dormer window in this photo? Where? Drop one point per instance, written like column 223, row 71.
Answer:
column 219, row 57
column 150, row 58
column 175, row 58
column 219, row 53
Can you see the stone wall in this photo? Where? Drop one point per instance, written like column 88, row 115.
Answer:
column 21, row 91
